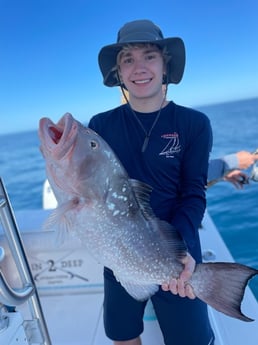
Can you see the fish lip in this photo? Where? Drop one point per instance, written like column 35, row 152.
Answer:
column 64, row 126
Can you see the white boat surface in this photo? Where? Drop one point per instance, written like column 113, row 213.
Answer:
column 70, row 288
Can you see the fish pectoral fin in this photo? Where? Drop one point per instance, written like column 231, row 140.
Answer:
column 140, row 292
column 60, row 222
column 222, row 286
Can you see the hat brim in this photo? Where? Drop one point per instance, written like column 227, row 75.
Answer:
column 175, row 67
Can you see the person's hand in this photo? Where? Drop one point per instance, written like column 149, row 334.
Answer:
column 245, row 159
column 180, row 286
column 238, row 178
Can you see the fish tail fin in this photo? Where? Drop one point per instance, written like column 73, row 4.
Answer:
column 222, row 286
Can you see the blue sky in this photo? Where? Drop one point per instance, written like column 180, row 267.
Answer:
column 49, row 49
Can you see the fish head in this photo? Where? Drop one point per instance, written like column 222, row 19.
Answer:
column 78, row 160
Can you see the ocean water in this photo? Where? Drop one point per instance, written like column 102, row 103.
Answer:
column 235, row 212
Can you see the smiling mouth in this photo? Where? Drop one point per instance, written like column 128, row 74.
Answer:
column 145, row 81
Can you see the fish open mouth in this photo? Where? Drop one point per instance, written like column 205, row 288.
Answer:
column 55, row 133
column 62, row 128
column 58, row 138
column 58, row 132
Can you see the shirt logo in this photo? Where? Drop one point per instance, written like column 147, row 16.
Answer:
column 173, row 146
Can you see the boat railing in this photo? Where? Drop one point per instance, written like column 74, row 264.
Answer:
column 28, row 293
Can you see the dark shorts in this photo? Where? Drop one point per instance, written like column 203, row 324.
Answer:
column 182, row 321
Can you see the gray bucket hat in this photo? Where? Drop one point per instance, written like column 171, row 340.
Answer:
column 142, row 31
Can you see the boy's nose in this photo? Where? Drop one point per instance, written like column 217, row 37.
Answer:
column 139, row 65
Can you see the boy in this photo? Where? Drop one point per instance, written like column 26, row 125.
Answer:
column 166, row 146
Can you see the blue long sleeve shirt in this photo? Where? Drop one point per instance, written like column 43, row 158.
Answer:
column 174, row 164
column 219, row 167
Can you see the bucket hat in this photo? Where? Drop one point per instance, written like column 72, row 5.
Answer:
column 142, row 31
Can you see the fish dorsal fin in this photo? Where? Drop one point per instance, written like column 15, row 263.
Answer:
column 142, row 193
column 165, row 230
column 172, row 238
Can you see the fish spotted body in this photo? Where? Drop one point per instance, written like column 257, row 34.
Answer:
column 111, row 215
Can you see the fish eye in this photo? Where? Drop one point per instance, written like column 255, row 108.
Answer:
column 93, row 144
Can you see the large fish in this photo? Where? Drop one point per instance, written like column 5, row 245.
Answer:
column 111, row 215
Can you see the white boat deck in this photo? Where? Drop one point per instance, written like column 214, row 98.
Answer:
column 70, row 288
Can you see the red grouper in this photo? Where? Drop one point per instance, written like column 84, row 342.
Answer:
column 111, row 215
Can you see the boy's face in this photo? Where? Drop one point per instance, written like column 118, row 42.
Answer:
column 141, row 70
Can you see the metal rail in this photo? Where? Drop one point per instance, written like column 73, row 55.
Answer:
column 8, row 296
column 20, row 258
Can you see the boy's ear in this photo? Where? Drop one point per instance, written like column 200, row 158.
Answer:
column 119, row 76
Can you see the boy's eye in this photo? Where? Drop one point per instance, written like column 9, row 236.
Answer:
column 127, row 60
column 151, row 56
